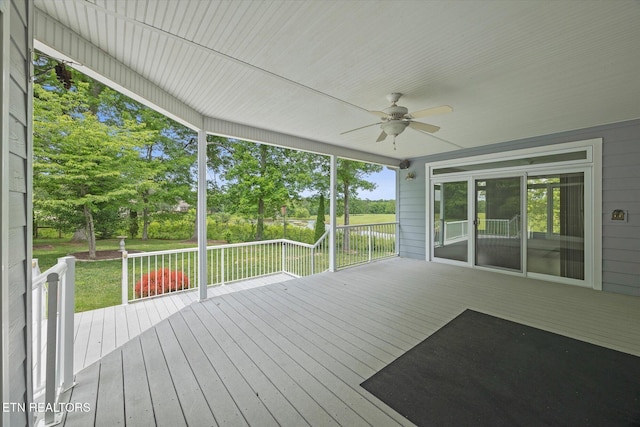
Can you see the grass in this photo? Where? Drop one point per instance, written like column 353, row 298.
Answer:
column 359, row 219
column 98, row 283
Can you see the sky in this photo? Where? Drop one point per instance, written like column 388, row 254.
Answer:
column 386, row 186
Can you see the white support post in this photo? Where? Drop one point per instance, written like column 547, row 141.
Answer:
column 332, row 212
column 202, row 214
column 67, row 313
column 397, row 228
column 125, row 277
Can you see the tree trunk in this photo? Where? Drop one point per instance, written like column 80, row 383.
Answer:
column 91, row 232
column 79, row 235
column 133, row 224
column 345, row 240
column 263, row 170
column 260, row 225
column 194, row 236
column 145, row 221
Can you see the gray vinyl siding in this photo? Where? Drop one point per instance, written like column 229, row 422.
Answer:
column 19, row 207
column 620, row 188
column 412, row 213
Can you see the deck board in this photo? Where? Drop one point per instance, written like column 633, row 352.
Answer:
column 221, row 403
column 166, row 406
column 268, row 394
column 98, row 332
column 110, row 412
column 138, row 407
column 85, row 393
column 195, row 407
column 253, row 409
column 295, row 353
column 309, row 364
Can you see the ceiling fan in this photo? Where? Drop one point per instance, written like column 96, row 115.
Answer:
column 396, row 118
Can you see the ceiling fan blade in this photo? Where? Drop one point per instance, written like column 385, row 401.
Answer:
column 382, row 137
column 360, row 128
column 424, row 127
column 431, row 111
column 379, row 113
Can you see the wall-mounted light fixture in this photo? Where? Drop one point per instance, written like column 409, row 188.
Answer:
column 410, row 176
column 619, row 215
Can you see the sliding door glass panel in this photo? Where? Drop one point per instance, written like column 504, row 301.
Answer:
column 450, row 221
column 498, row 223
column 555, row 225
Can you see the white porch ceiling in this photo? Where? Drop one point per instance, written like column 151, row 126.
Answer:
column 312, row 69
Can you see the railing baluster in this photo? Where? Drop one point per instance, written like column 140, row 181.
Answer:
column 52, row 311
column 125, row 278
column 223, row 274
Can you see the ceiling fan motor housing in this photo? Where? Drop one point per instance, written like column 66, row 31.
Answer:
column 396, row 112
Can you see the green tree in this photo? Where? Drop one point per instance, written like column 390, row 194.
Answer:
column 167, row 157
column 351, row 178
column 80, row 164
column 259, row 178
column 319, row 227
column 167, row 150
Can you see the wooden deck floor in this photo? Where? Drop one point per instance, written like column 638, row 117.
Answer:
column 99, row 332
column 294, row 353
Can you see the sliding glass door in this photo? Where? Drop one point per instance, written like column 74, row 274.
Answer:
column 479, row 220
column 451, row 220
column 498, row 218
column 535, row 212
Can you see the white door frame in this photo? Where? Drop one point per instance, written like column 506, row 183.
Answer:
column 487, row 166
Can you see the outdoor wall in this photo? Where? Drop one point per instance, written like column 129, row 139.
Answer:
column 15, row 216
column 620, row 187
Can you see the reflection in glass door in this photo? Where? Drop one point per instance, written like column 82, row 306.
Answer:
column 498, row 223
column 450, row 220
column 556, row 224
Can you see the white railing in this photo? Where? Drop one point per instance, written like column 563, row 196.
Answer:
column 493, row 227
column 500, row 227
column 358, row 244
column 450, row 231
column 53, row 294
column 459, row 230
column 148, row 274
column 301, row 259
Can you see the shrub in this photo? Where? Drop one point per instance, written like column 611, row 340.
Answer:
column 160, row 282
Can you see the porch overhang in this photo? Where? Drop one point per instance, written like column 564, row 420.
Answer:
column 301, row 74
column 58, row 41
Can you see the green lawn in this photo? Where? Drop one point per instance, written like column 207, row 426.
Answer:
column 98, row 283
column 362, row 219
column 367, row 219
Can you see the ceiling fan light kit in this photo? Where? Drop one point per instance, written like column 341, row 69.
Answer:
column 394, row 128
column 396, row 118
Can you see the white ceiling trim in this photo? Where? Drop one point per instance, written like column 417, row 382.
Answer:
column 58, row 41
column 54, row 39
column 249, row 133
